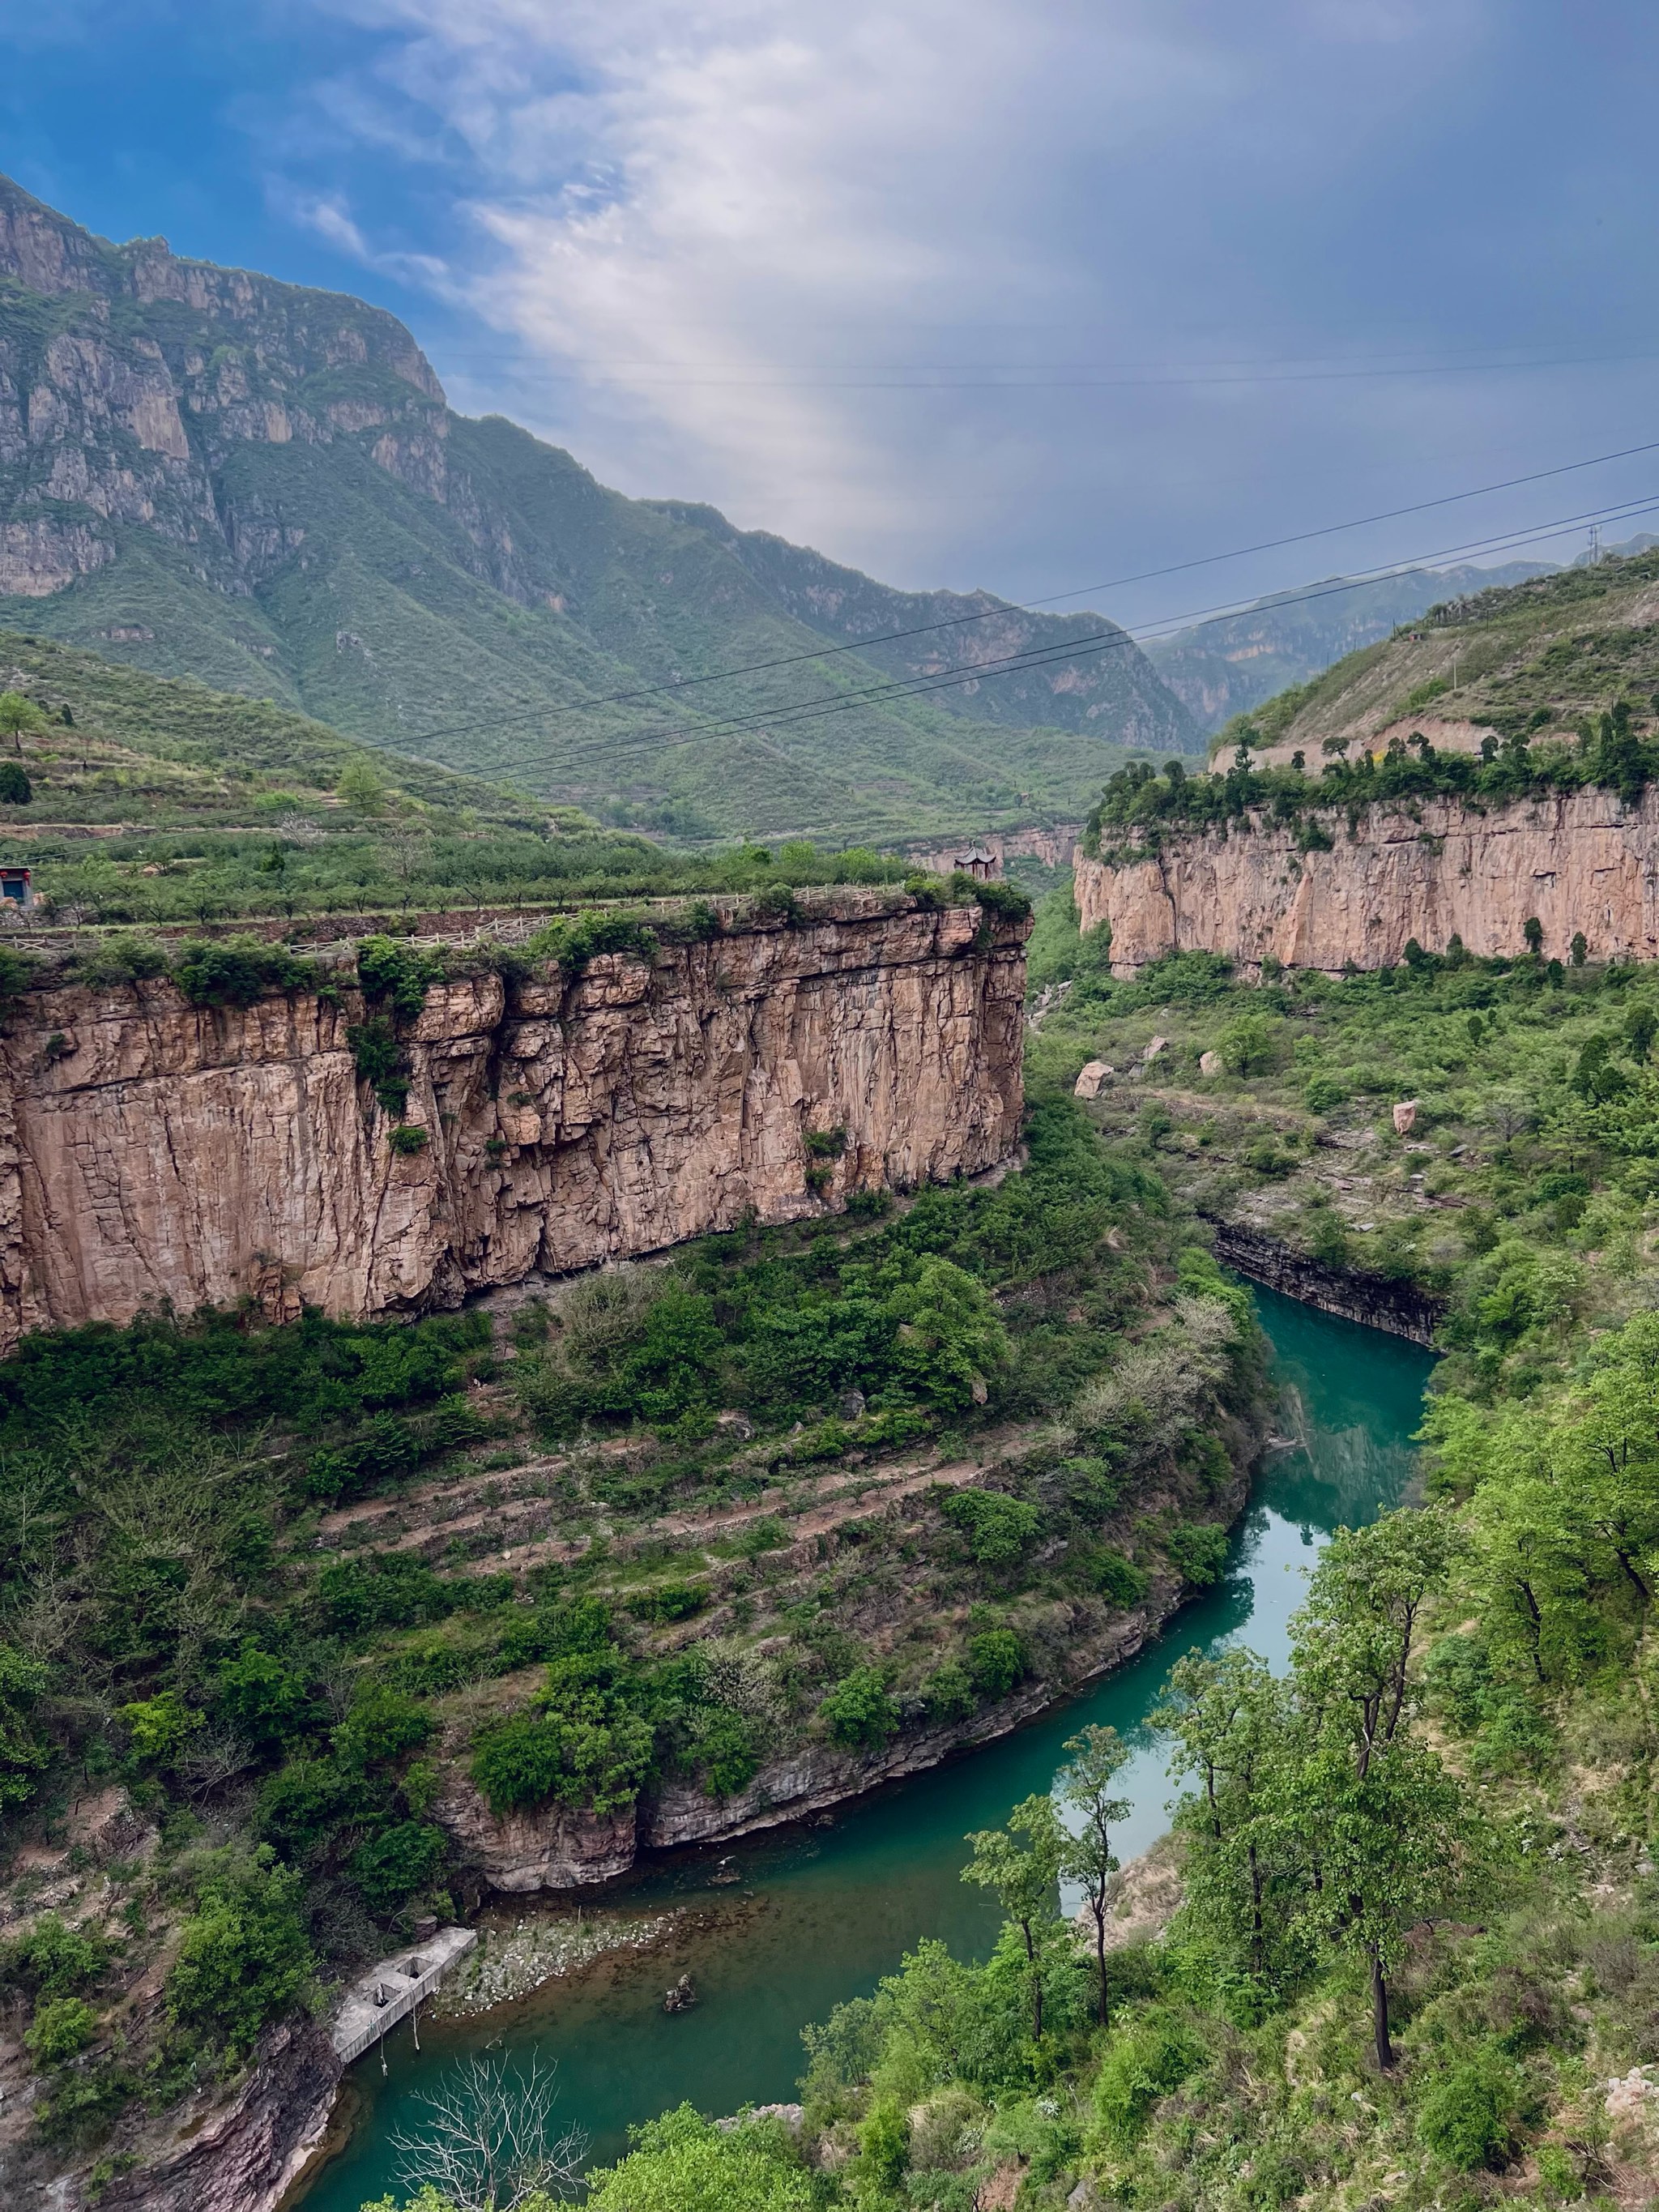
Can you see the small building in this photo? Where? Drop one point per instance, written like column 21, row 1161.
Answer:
column 17, row 885
column 981, row 866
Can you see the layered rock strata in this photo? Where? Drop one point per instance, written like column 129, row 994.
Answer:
column 155, row 1153
column 1580, row 861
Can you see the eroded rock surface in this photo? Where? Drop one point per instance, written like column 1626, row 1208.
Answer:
column 1578, row 861
column 197, row 1155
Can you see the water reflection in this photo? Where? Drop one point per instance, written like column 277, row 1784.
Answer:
column 821, row 1914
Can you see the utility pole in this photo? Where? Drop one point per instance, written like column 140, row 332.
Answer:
column 1595, row 543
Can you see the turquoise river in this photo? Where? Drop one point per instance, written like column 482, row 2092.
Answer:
column 819, row 1914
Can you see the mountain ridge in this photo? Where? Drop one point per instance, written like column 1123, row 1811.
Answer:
column 210, row 472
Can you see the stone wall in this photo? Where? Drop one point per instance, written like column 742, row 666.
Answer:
column 1578, row 861
column 155, row 1152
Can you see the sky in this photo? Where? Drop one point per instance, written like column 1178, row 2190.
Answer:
column 1037, row 298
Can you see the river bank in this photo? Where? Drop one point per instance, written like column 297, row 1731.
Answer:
column 834, row 1907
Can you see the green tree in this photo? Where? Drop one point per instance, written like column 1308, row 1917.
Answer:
column 1247, row 1044
column 244, row 1958
column 683, row 2163
column 950, row 1341
column 1025, row 1876
column 1084, row 1789
column 19, row 717
column 1227, row 1718
column 859, row 1711
column 1641, row 1027
column 61, row 2030
column 23, row 1752
column 1533, row 930
column 1382, row 1825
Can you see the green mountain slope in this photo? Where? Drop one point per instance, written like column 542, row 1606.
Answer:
column 206, row 472
column 1219, row 669
column 1544, row 655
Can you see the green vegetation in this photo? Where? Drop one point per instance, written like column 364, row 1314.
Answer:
column 252, row 1578
column 459, row 590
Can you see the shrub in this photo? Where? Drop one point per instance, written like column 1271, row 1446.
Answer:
column 391, row 1867
column 1197, row 1550
column 1470, row 2115
column 996, row 1661
column 586, row 1748
column 998, row 1527
column 244, row 1958
column 1119, row 1580
column 399, row 976
column 1144, row 2061
column 682, row 2160
column 948, row 1692
column 859, row 1711
column 61, row 2030
column 670, row 1602
column 53, row 1960
column 15, row 789
column 235, row 971
column 380, row 1060
column 1324, row 1093
column 408, row 1139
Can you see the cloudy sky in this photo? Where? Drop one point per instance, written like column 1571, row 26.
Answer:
column 1030, row 296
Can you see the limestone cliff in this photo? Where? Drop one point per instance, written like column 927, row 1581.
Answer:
column 1577, row 861
column 152, row 1151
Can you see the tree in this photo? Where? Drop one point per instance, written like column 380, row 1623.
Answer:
column 1228, row 1718
column 1084, row 1788
column 1579, row 950
column 1025, row 1877
column 485, row 2143
column 859, row 1711
column 1248, row 1045
column 1641, row 1027
column 1381, row 1821
column 950, row 1339
column 15, row 789
column 19, row 716
column 1533, row 930
column 245, row 1957
column 684, row 2163
column 361, row 786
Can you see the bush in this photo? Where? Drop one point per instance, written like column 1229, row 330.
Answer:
column 245, row 1957
column 1144, row 2061
column 859, row 1712
column 1197, row 1550
column 670, row 1602
column 684, row 2163
column 996, row 1661
column 1470, row 2115
column 61, row 2030
column 235, row 971
column 53, row 1960
column 408, row 1139
column 15, row 789
column 587, row 1747
column 1119, row 1580
column 998, row 1527
column 398, row 974
column 391, row 1867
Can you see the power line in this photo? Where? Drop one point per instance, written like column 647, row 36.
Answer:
column 772, row 720
column 1025, row 606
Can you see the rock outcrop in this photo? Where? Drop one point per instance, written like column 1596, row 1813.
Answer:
column 1580, row 861
column 153, row 1152
column 243, row 2156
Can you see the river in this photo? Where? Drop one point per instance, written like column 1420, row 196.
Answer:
column 833, row 1909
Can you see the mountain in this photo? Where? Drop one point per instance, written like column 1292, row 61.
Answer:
column 1220, row 669
column 206, row 472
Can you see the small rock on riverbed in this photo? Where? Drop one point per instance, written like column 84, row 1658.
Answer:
column 682, row 1997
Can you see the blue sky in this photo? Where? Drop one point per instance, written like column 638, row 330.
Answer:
column 964, row 293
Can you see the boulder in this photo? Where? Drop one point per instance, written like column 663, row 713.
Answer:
column 1089, row 1082
column 1157, row 1046
column 1405, row 1118
column 1209, row 1063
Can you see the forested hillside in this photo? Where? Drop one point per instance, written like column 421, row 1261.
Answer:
column 212, row 474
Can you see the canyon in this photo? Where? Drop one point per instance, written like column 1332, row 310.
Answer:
column 1579, row 861
column 156, row 1153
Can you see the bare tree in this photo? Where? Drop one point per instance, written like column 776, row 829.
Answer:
column 486, row 2142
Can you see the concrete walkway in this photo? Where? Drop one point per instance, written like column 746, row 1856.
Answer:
column 390, row 1991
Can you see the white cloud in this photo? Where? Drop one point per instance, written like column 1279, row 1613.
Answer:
column 710, row 238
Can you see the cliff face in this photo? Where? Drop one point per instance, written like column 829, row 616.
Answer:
column 152, row 1151
column 1581, row 861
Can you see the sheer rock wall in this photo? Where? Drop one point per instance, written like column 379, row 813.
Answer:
column 152, row 1152
column 1580, row 860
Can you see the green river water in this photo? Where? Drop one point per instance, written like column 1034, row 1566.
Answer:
column 832, row 1910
